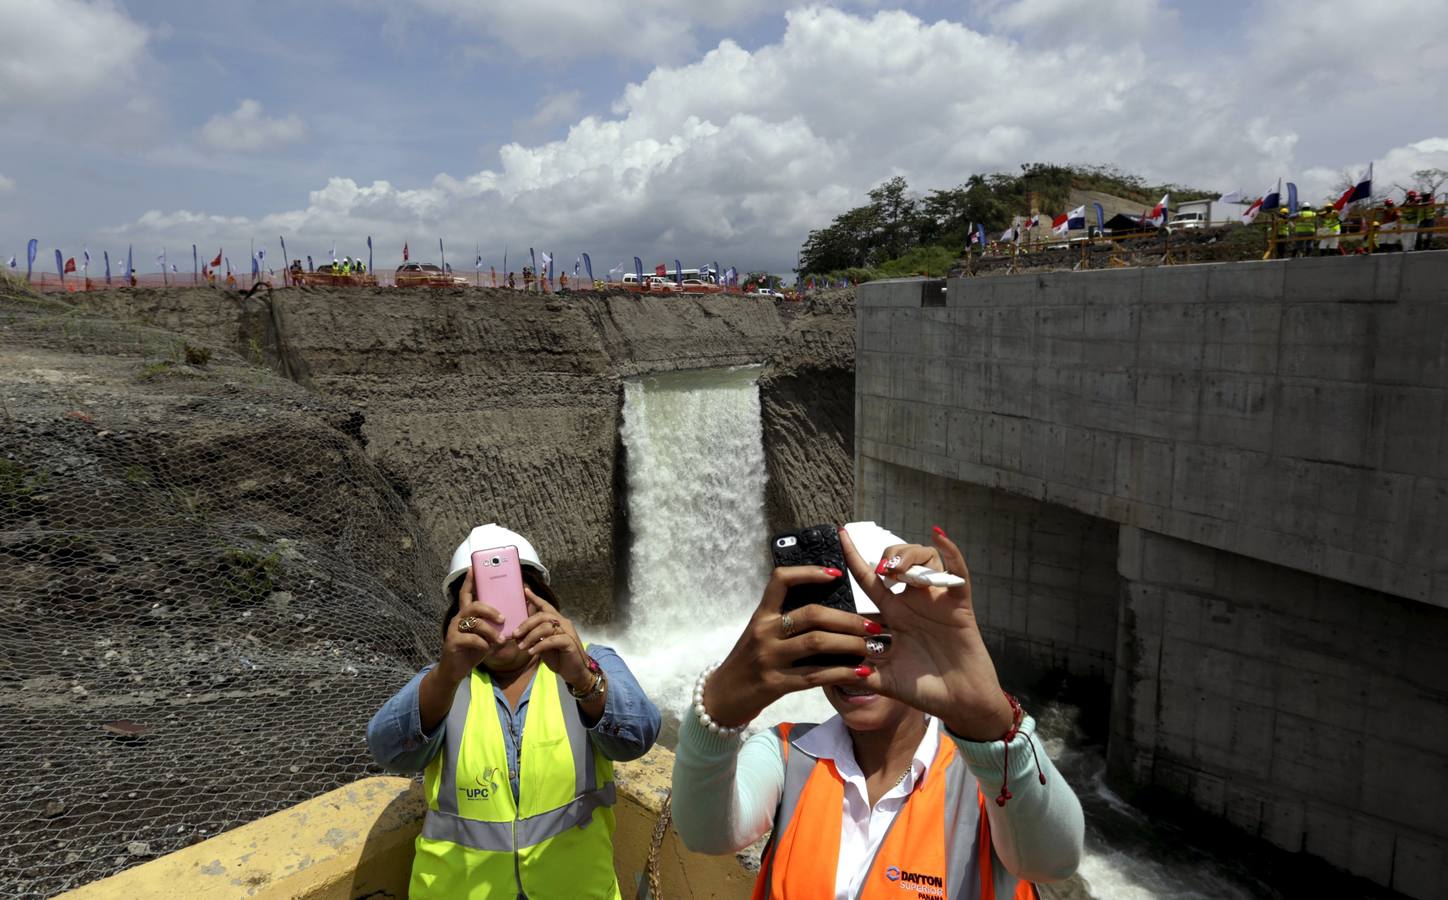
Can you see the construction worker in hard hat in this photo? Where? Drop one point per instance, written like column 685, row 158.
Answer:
column 1283, row 226
column 1329, row 229
column 516, row 734
column 1411, row 216
column 1304, row 230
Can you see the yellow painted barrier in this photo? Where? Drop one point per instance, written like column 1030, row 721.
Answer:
column 356, row 842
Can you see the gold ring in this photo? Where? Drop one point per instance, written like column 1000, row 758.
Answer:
column 786, row 624
column 467, row 623
column 556, row 627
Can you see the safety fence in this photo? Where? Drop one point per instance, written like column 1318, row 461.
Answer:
column 79, row 282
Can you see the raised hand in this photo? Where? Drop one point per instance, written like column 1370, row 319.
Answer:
column 761, row 667
column 471, row 635
column 937, row 661
column 548, row 635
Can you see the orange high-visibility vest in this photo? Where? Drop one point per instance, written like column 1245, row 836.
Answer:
column 937, row 848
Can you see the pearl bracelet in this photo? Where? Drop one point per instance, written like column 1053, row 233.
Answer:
column 699, row 711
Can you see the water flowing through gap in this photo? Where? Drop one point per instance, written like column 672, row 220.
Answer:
column 698, row 560
column 698, row 552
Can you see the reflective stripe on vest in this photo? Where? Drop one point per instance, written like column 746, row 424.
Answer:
column 554, row 841
column 937, row 846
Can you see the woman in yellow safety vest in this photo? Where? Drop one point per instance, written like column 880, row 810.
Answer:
column 927, row 783
column 516, row 735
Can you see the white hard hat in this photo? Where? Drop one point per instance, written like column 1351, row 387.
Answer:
column 486, row 537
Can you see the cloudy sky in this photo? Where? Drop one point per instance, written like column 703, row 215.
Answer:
column 663, row 128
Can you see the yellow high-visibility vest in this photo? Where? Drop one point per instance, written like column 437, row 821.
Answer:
column 555, row 842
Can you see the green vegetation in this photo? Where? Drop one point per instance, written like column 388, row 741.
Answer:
column 248, row 576
column 159, row 369
column 900, row 232
column 18, row 483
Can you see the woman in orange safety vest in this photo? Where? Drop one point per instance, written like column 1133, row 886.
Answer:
column 927, row 783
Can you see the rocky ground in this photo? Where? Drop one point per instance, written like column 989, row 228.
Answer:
column 208, row 586
column 222, row 521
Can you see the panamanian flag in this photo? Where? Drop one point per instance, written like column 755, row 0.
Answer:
column 1158, row 212
column 1061, row 224
column 1360, row 191
column 1076, row 218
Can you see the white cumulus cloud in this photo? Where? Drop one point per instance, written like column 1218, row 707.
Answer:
column 66, row 51
column 247, row 130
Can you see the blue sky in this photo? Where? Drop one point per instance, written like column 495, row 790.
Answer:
column 662, row 128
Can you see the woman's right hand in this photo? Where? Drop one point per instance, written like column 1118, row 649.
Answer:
column 761, row 667
column 463, row 650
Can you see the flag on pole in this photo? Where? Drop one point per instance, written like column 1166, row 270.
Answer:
column 217, row 261
column 1291, row 199
column 1061, row 224
column 1076, row 218
column 1360, row 191
column 1249, row 215
column 1158, row 212
column 228, row 267
column 105, row 254
column 980, row 234
column 85, row 251
column 616, row 270
column 478, row 262
column 1100, row 219
column 678, row 273
column 1272, row 200
column 60, row 265
column 14, row 263
column 129, row 268
column 1231, row 197
column 285, row 267
column 441, row 257
column 639, row 270
column 369, row 253
column 194, row 264
column 588, row 268
column 30, row 251
column 404, row 251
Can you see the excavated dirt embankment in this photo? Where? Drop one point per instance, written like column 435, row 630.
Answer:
column 501, row 406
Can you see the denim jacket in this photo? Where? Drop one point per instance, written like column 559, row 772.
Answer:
column 626, row 730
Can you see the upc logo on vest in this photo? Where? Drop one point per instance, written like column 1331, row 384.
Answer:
column 484, row 790
column 921, row 884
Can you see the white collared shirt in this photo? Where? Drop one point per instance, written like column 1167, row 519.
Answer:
column 862, row 829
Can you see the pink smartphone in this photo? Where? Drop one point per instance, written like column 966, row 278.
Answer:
column 498, row 582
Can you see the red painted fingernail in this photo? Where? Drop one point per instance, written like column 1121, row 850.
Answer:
column 833, row 572
column 880, row 569
column 864, row 671
column 873, row 627
column 938, row 530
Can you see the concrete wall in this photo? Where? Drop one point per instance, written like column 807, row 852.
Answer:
column 1292, row 411
column 1044, row 577
column 1260, row 453
column 1300, row 709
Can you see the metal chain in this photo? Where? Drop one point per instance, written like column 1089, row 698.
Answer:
column 656, row 845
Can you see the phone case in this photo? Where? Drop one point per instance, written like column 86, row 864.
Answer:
column 816, row 546
column 498, row 582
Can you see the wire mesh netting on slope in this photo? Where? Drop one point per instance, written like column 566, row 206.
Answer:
column 206, row 589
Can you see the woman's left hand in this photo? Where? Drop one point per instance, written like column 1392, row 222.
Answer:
column 936, row 661
column 548, row 635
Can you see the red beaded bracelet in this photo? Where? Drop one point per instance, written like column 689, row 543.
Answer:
column 1017, row 715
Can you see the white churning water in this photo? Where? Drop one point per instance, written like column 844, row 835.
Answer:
column 698, row 561
column 698, row 551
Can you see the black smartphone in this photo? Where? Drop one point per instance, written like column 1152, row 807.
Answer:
column 816, row 546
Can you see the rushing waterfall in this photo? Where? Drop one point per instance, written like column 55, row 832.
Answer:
column 698, row 548
column 698, row 561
